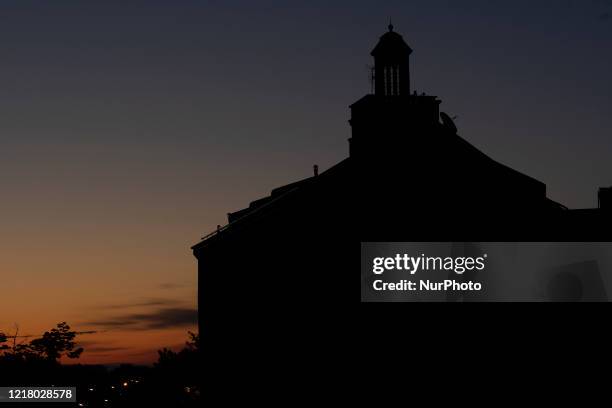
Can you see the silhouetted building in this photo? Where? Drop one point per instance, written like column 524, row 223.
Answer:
column 409, row 177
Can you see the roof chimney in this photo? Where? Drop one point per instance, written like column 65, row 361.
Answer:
column 316, row 170
column 605, row 198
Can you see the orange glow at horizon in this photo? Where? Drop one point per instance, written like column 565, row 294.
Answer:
column 123, row 281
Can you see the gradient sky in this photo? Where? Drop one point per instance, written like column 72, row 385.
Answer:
column 128, row 129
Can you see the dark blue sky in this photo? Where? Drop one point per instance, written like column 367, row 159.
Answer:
column 128, row 129
column 266, row 84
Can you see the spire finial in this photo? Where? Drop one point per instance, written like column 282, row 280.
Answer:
column 390, row 25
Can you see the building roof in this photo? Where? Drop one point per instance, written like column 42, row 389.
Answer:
column 281, row 197
column 391, row 43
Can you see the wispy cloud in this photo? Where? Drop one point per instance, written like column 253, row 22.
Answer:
column 145, row 303
column 104, row 349
column 171, row 285
column 97, row 347
column 171, row 317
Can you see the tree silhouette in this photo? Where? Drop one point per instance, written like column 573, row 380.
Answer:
column 57, row 343
column 173, row 381
column 36, row 362
column 53, row 345
column 178, row 372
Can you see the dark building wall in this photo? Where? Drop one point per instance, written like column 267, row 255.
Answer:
column 263, row 282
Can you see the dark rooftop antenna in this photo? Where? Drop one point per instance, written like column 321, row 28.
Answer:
column 390, row 25
column 316, row 170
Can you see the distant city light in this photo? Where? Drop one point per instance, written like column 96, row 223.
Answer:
column 125, row 384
